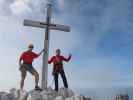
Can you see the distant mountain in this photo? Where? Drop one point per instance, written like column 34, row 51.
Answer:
column 106, row 93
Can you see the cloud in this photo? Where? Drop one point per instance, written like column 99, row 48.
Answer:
column 20, row 7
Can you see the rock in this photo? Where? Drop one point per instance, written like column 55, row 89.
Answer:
column 9, row 96
column 65, row 92
column 70, row 93
column 59, row 98
column 49, row 91
column 47, row 97
column 78, row 98
column 12, row 91
column 34, row 95
column 2, row 93
column 48, row 94
column 29, row 97
column 81, row 97
column 87, row 98
column 5, row 96
column 13, row 94
column 22, row 95
column 53, row 92
column 70, row 98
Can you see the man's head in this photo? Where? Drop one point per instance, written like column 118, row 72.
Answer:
column 58, row 51
column 30, row 47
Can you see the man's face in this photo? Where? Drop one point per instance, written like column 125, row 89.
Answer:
column 58, row 52
column 31, row 48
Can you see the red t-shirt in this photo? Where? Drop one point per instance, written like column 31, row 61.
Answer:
column 28, row 57
column 58, row 62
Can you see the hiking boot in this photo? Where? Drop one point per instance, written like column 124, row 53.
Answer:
column 38, row 88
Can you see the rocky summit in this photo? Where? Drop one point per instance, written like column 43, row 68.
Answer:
column 47, row 94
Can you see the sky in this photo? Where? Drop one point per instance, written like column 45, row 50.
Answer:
column 100, row 41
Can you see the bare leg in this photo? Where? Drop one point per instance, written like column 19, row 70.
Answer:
column 36, row 75
column 23, row 75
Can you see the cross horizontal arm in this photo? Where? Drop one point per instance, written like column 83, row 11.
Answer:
column 44, row 25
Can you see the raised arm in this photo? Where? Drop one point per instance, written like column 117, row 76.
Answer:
column 36, row 55
column 67, row 59
column 41, row 52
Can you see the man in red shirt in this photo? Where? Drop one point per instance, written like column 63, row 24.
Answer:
column 57, row 61
column 27, row 57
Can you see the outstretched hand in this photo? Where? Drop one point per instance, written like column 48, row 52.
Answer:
column 70, row 54
column 44, row 51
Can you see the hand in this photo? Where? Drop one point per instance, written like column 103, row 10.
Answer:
column 44, row 51
column 70, row 55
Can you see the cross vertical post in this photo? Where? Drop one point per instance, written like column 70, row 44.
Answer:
column 46, row 47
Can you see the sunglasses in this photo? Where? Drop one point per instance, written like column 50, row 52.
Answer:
column 30, row 47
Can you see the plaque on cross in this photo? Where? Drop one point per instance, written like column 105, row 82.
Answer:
column 48, row 26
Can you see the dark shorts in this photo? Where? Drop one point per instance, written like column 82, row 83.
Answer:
column 27, row 67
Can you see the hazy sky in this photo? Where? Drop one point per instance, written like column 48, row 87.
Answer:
column 101, row 41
